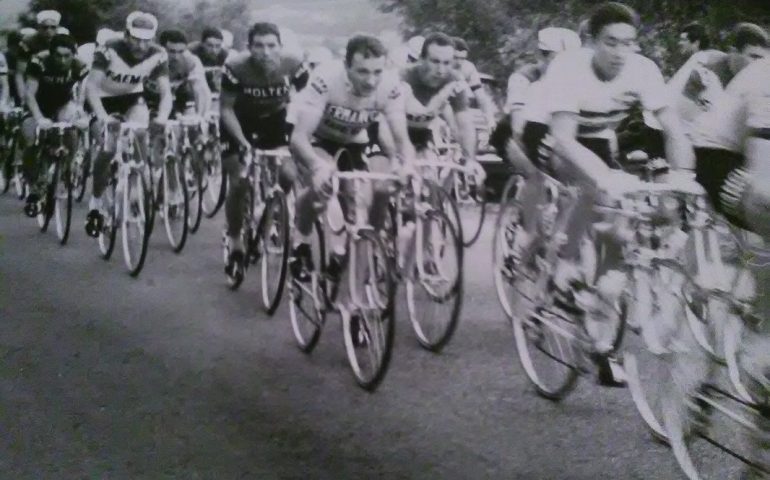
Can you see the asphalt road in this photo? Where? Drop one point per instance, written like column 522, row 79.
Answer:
column 171, row 375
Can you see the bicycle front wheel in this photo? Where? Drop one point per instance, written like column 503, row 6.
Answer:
column 214, row 186
column 194, row 187
column 63, row 205
column 81, row 168
column 508, row 231
column 274, row 251
column 175, row 205
column 369, row 328
column 49, row 197
column 109, row 231
column 135, row 205
column 435, row 292
column 307, row 300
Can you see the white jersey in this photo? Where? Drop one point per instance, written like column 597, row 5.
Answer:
column 744, row 107
column 345, row 115
column 572, row 86
column 86, row 53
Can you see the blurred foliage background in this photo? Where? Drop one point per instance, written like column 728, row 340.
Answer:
column 502, row 33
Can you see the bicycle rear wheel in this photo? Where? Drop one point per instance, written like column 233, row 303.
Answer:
column 109, row 231
column 175, row 205
column 135, row 235
column 307, row 300
column 435, row 293
column 194, row 194
column 49, row 197
column 274, row 247
column 369, row 329
column 63, row 205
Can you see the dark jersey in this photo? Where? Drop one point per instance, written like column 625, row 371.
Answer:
column 55, row 84
column 259, row 91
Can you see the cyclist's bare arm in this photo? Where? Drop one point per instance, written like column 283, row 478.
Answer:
column 679, row 152
column 202, row 95
column 467, row 133
column 166, row 98
column 18, row 77
column 94, row 80
column 396, row 120
column 31, row 99
column 82, row 90
column 564, row 127
column 227, row 115
column 301, row 138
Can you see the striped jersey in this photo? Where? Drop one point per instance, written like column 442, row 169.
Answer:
column 345, row 115
column 573, row 86
column 125, row 74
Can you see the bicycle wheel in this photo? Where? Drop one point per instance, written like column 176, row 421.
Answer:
column 81, row 168
column 508, row 236
column 109, row 231
column 135, row 235
column 49, row 197
column 369, row 329
column 175, row 205
column 214, row 187
column 307, row 301
column 63, row 205
column 274, row 247
column 194, row 195
column 545, row 342
column 5, row 167
column 472, row 213
column 435, row 292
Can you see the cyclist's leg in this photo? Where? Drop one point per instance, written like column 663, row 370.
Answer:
column 139, row 112
column 30, row 163
column 236, row 192
column 69, row 113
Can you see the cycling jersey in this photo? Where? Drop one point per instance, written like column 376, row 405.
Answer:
column 601, row 106
column 470, row 74
column 210, row 64
column 518, row 84
column 55, row 84
column 744, row 105
column 182, row 74
column 345, row 115
column 124, row 73
column 258, row 91
column 418, row 94
column 86, row 53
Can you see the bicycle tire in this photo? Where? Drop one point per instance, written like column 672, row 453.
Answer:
column 176, row 240
column 276, row 210
column 135, row 181
column 310, row 314
column 501, row 260
column 195, row 196
column 48, row 204
column 376, row 319
column 451, row 295
column 63, row 205
column 218, row 195
column 84, row 170
column 107, row 237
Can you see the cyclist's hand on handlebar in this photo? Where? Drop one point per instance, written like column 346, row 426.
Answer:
column 322, row 178
column 44, row 123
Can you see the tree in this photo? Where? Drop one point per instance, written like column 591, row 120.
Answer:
column 502, row 33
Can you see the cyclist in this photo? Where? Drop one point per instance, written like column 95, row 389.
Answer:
column 703, row 77
column 590, row 92
column 334, row 112
column 11, row 55
column 256, row 87
column 115, row 86
column 47, row 24
column 471, row 75
column 186, row 74
column 212, row 55
column 51, row 79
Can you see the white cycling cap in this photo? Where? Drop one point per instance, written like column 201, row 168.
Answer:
column 62, row 31
column 48, row 17
column 557, row 39
column 27, row 32
column 414, row 46
column 142, row 25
